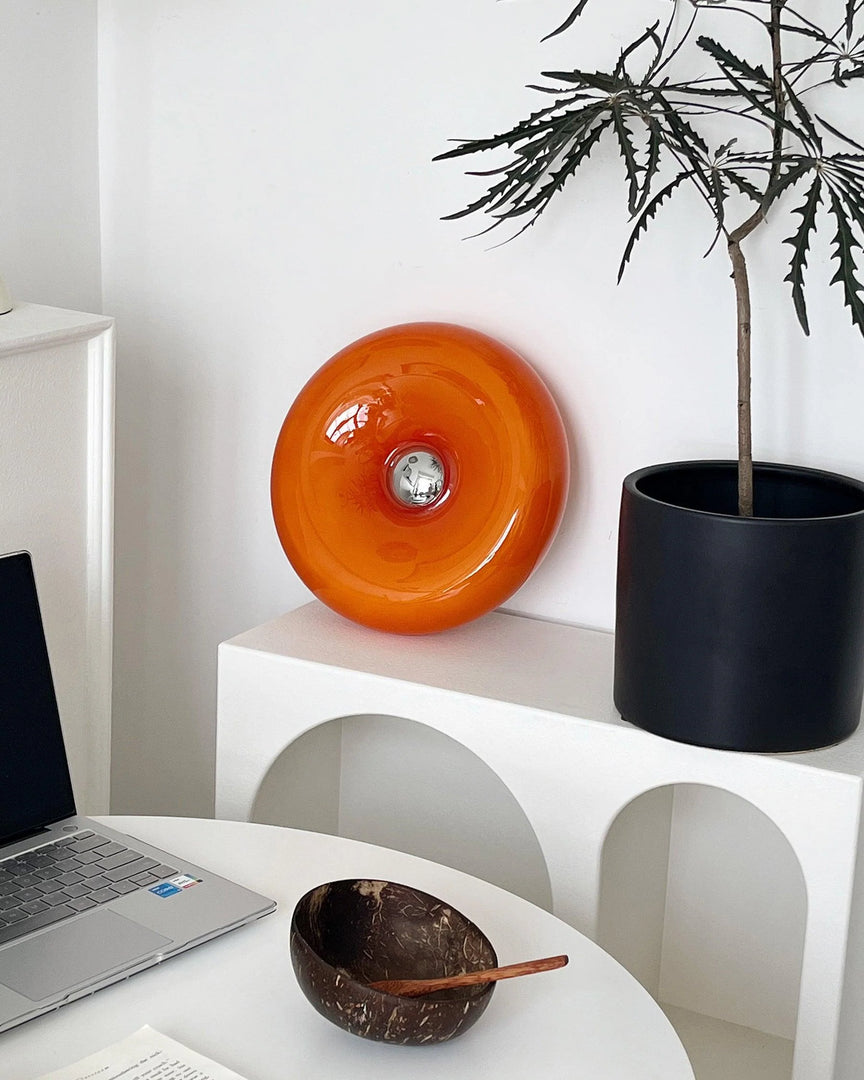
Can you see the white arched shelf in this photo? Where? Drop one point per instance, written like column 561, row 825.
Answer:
column 533, row 700
column 365, row 777
column 704, row 900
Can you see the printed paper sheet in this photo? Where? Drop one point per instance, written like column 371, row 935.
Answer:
column 146, row 1055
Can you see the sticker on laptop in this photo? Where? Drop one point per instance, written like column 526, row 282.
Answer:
column 175, row 885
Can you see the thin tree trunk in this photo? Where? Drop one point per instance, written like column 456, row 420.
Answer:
column 745, row 448
column 742, row 283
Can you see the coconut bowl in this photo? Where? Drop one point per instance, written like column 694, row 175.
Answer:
column 347, row 934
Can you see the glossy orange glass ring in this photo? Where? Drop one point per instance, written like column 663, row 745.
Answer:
column 419, row 477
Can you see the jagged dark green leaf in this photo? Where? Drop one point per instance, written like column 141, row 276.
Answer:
column 558, row 177
column 844, row 254
column 652, row 163
column 687, row 142
column 568, row 22
column 628, row 154
column 849, row 185
column 843, row 76
column 763, row 105
column 807, row 31
column 728, row 60
column 565, row 96
column 743, row 185
column 706, row 89
column 718, row 189
column 800, row 242
column 788, row 178
column 517, row 199
column 596, row 80
column 544, row 120
column 850, row 167
column 803, row 114
column 685, row 133
column 479, row 204
column 646, row 216
column 839, row 134
column 649, row 35
column 826, row 54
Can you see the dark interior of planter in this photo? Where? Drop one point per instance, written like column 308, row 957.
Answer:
column 778, row 491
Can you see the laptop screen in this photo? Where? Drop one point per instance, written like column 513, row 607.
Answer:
column 35, row 789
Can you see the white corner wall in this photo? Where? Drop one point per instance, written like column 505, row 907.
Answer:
column 49, row 181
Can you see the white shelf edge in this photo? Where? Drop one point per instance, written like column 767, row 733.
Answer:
column 28, row 327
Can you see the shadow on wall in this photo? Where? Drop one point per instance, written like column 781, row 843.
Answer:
column 368, row 778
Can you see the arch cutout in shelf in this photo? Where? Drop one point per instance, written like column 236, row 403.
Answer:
column 462, row 814
column 704, row 900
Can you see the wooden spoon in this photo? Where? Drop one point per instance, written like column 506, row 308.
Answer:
column 416, row 987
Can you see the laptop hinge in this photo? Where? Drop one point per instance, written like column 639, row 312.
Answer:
column 19, row 837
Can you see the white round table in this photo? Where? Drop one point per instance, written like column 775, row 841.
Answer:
column 236, row 1000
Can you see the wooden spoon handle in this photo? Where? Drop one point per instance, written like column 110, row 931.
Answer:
column 416, row 987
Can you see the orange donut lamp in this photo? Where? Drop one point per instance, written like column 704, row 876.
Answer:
column 419, row 477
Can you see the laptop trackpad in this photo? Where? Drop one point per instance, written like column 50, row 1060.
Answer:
column 71, row 954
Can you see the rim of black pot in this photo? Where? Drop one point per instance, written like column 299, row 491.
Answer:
column 837, row 480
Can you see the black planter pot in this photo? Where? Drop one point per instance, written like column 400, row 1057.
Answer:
column 741, row 633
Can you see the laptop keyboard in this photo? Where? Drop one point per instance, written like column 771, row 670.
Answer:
column 68, row 876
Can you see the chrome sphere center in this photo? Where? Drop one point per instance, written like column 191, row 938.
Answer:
column 417, row 478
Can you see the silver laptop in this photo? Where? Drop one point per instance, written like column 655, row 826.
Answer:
column 81, row 905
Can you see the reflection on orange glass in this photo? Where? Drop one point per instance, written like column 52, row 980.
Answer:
column 419, row 477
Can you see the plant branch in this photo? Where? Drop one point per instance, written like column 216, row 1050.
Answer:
column 779, row 99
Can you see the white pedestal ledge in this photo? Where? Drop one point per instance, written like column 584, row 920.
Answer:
column 533, row 700
column 57, row 502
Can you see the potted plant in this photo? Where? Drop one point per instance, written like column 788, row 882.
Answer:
column 740, row 607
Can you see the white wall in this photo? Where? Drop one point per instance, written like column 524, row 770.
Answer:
column 49, row 177
column 269, row 196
